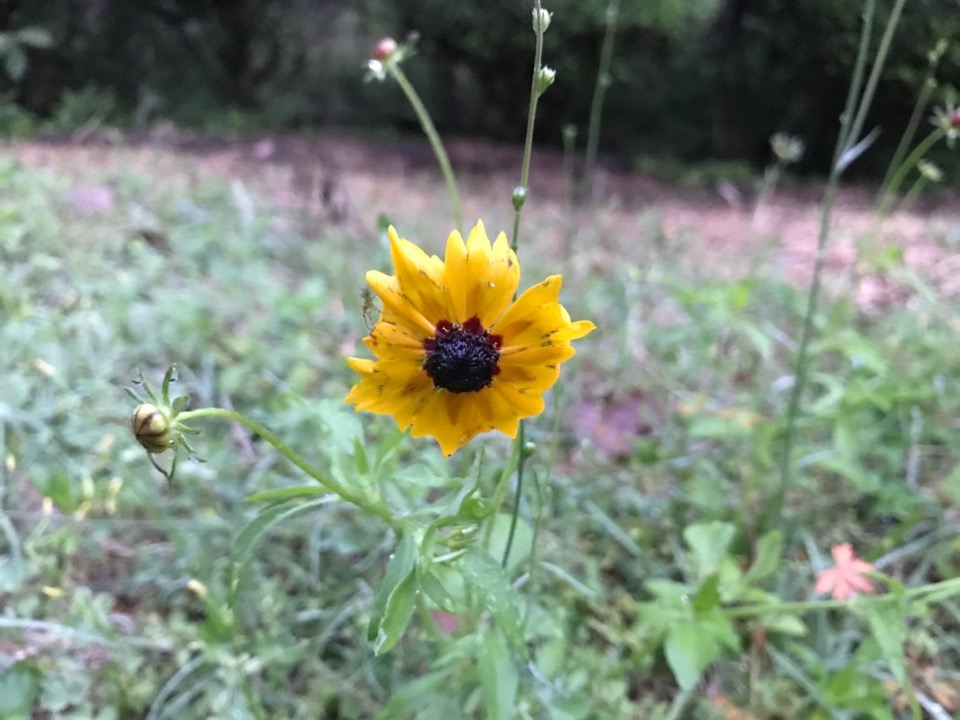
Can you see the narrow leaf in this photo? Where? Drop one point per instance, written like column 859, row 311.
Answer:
column 490, row 583
column 401, row 565
column 396, row 614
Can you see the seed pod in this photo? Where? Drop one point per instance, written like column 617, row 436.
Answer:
column 151, row 427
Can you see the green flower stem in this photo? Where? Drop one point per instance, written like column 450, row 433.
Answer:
column 528, row 140
column 518, row 444
column 599, row 92
column 374, row 506
column 943, row 588
column 434, row 137
column 922, row 148
column 851, row 123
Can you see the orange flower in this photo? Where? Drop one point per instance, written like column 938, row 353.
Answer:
column 847, row 578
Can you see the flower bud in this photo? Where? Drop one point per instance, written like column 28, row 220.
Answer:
column 519, row 197
column 929, row 171
column 151, row 427
column 955, row 119
column 384, row 49
column 541, row 20
column 545, row 79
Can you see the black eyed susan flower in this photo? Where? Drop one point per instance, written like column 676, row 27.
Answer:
column 455, row 355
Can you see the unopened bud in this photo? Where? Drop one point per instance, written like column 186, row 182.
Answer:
column 545, row 79
column 384, row 49
column 151, row 427
column 955, row 118
column 519, row 197
column 930, row 171
column 541, row 20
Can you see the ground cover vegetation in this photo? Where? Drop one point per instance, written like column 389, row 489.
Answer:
column 738, row 499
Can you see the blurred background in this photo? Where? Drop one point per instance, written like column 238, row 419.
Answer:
column 690, row 80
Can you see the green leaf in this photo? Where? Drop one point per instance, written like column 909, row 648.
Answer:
column 707, row 596
column 689, row 650
column 490, row 583
column 435, row 590
column 767, row 558
column 785, row 624
column 396, row 614
column 14, row 572
column 414, row 695
column 19, row 685
column 709, row 543
column 402, row 564
column 498, row 678
column 253, row 532
column 288, row 493
column 889, row 629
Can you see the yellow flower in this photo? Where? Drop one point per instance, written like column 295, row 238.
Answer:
column 455, row 356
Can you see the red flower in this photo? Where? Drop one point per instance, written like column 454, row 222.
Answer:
column 847, row 578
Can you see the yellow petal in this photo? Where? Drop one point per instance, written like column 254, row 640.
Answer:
column 455, row 276
column 420, row 277
column 497, row 284
column 395, row 301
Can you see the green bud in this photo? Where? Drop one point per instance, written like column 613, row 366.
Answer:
column 929, row 171
column 519, row 197
column 541, row 20
column 151, row 426
column 545, row 79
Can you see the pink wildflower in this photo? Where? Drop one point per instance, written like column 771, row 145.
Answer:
column 847, row 578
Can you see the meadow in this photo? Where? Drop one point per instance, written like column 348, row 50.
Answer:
column 675, row 549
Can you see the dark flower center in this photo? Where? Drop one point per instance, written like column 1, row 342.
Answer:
column 462, row 358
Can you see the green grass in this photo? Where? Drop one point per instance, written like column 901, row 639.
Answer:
column 117, row 588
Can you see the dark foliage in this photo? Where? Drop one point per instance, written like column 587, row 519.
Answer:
column 691, row 80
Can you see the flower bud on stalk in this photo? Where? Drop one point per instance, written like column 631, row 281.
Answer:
column 541, row 21
column 152, row 428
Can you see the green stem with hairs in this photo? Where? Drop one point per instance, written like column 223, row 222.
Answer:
column 372, row 505
column 519, row 198
column 434, row 137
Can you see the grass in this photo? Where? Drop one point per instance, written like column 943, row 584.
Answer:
column 124, row 597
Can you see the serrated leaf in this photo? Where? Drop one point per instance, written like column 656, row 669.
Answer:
column 396, row 614
column 402, row 564
column 490, row 584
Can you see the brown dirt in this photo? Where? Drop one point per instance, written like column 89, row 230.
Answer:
column 342, row 180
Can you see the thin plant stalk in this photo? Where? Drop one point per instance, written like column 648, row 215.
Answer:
column 396, row 72
column 850, row 126
column 929, row 84
column 599, row 94
column 519, row 198
column 376, row 507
